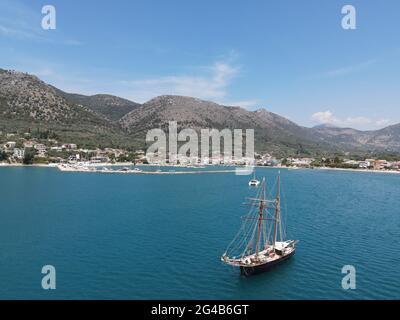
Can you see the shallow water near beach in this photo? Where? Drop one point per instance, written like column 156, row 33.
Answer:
column 160, row 237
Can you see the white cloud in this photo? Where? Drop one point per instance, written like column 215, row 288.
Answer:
column 383, row 122
column 323, row 117
column 359, row 122
column 212, row 85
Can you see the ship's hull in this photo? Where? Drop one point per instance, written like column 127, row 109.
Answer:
column 248, row 271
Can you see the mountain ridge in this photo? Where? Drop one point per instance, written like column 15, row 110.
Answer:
column 27, row 101
column 110, row 106
column 29, row 104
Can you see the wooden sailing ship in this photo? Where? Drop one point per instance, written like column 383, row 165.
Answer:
column 260, row 243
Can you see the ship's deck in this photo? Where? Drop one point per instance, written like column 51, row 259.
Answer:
column 265, row 256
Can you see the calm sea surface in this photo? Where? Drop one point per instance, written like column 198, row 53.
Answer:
column 160, row 237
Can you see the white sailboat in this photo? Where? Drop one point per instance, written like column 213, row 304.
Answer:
column 254, row 182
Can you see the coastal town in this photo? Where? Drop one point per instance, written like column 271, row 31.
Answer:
column 26, row 150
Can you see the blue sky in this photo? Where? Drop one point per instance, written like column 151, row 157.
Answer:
column 290, row 57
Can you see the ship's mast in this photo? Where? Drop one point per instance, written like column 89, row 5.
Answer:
column 277, row 208
column 260, row 217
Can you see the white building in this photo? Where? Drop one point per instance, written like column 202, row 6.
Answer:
column 304, row 162
column 352, row 162
column 74, row 158
column 41, row 150
column 19, row 153
column 100, row 159
column 364, row 164
column 69, row 146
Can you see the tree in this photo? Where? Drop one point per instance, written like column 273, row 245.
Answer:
column 29, row 155
column 3, row 155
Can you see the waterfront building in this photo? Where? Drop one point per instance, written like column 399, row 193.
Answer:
column 100, row 159
column 19, row 153
column 41, row 150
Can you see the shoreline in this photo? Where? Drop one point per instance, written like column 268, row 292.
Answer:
column 335, row 169
column 358, row 170
column 125, row 164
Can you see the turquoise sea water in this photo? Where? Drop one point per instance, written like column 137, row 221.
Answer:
column 115, row 236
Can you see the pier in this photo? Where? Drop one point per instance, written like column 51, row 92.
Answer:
column 70, row 168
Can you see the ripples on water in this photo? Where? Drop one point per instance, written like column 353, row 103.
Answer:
column 139, row 236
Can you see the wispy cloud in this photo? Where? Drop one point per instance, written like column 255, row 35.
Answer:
column 20, row 33
column 359, row 122
column 212, row 82
column 350, row 69
column 73, row 42
column 212, row 85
